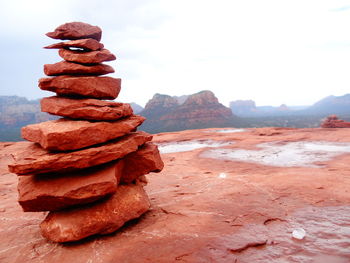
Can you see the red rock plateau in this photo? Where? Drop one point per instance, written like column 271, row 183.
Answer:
column 79, row 170
column 214, row 209
column 333, row 122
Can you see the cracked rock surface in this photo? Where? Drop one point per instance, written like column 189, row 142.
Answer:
column 210, row 209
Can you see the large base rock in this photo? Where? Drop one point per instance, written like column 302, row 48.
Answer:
column 87, row 86
column 104, row 217
column 86, row 44
column 68, row 68
column 76, row 30
column 54, row 192
column 34, row 159
column 66, row 134
column 92, row 57
column 143, row 161
column 85, row 109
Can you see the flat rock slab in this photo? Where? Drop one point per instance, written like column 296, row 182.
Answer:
column 91, row 57
column 57, row 191
column 86, row 86
column 145, row 160
column 76, row 30
column 85, row 109
column 104, row 217
column 35, row 160
column 68, row 68
column 67, row 135
column 86, row 44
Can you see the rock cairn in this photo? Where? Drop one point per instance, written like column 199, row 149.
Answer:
column 332, row 121
column 88, row 167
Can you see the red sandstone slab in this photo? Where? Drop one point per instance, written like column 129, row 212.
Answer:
column 104, row 217
column 86, row 86
column 35, row 160
column 66, row 135
column 57, row 191
column 145, row 160
column 86, row 109
column 92, row 57
column 76, row 30
column 86, row 44
column 68, row 68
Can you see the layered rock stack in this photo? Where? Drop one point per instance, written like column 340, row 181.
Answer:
column 332, row 121
column 88, row 167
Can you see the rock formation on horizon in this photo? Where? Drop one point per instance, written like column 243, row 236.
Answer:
column 200, row 110
column 87, row 167
column 333, row 121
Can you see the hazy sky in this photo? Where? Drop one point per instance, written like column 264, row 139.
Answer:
column 272, row 51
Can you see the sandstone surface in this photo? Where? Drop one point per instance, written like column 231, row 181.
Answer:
column 104, row 217
column 85, row 44
column 65, row 134
column 92, row 57
column 210, row 210
column 69, row 68
column 76, row 30
column 145, row 160
column 57, row 191
column 86, row 109
column 86, row 86
column 35, row 160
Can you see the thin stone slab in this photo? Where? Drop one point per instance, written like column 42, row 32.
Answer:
column 76, row 30
column 86, row 44
column 91, row 57
column 51, row 192
column 36, row 160
column 145, row 160
column 68, row 68
column 66, row 134
column 86, row 86
column 85, row 109
column 103, row 217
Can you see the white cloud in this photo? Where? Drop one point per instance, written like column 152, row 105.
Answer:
column 272, row 51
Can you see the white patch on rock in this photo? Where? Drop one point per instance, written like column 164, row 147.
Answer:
column 290, row 154
column 185, row 146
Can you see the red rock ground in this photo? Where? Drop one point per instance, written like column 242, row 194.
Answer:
column 199, row 216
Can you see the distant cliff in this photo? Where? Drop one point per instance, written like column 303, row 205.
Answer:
column 16, row 112
column 200, row 110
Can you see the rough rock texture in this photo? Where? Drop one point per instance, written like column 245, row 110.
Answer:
column 65, row 134
column 86, row 44
column 333, row 122
column 34, row 160
column 92, row 87
column 86, row 109
column 209, row 210
column 68, row 68
column 57, row 191
column 145, row 160
column 76, row 30
column 104, row 217
column 92, row 57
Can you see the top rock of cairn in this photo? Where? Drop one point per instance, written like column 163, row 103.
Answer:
column 76, row 30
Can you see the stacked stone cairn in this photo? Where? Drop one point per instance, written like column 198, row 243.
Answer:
column 88, row 167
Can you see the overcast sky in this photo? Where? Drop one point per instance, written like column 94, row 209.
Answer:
column 271, row 51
